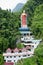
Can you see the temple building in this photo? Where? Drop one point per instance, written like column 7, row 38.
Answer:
column 12, row 56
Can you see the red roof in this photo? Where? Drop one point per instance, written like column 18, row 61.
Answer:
column 24, row 50
column 8, row 50
column 16, row 50
column 28, row 47
column 8, row 63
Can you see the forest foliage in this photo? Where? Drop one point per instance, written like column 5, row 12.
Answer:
column 9, row 28
column 9, row 33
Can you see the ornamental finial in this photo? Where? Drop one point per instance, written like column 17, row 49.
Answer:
column 23, row 11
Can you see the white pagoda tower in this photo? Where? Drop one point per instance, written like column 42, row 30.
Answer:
column 26, row 35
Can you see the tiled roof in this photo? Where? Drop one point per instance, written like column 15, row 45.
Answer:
column 8, row 50
column 24, row 50
column 28, row 47
column 16, row 50
column 8, row 63
column 24, row 29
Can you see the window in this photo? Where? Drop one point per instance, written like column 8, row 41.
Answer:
column 28, row 41
column 7, row 56
column 14, row 60
column 27, row 34
column 14, row 56
column 20, row 51
column 19, row 56
column 28, row 55
column 9, row 60
column 10, row 56
column 31, row 33
column 24, row 34
column 4, row 60
column 29, row 49
column 22, row 41
column 32, row 46
column 24, row 55
column 12, row 51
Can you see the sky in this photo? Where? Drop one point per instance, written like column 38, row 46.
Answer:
column 10, row 4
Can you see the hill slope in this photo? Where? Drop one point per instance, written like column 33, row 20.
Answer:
column 18, row 7
column 37, row 23
column 9, row 24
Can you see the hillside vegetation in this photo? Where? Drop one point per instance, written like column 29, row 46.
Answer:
column 37, row 22
column 9, row 30
column 9, row 25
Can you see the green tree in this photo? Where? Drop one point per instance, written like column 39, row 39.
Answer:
column 37, row 23
column 1, row 60
column 20, row 45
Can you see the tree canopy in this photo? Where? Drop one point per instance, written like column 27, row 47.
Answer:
column 37, row 22
column 9, row 30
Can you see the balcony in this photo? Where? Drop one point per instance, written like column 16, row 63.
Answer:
column 26, row 39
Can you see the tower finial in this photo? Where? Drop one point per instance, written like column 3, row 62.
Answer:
column 23, row 11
